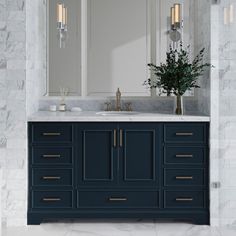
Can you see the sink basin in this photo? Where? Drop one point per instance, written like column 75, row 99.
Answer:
column 117, row 113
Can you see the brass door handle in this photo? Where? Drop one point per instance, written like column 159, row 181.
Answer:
column 184, row 199
column 184, row 177
column 51, row 134
column 51, row 177
column 51, row 199
column 184, row 134
column 115, row 138
column 51, row 156
column 121, row 138
column 117, row 199
column 184, row 156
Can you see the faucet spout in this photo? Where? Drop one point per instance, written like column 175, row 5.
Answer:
column 118, row 100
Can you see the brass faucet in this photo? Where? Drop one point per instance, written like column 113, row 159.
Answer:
column 118, row 100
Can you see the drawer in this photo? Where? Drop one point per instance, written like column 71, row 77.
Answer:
column 184, row 177
column 52, row 177
column 184, row 199
column 184, row 155
column 118, row 199
column 52, row 199
column 51, row 132
column 51, row 155
column 185, row 133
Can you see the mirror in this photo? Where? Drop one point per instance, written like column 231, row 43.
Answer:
column 108, row 44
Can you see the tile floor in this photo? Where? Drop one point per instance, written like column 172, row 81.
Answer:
column 137, row 228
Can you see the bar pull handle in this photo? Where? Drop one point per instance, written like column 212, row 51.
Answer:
column 51, row 199
column 184, row 199
column 51, row 156
column 121, row 138
column 51, row 134
column 184, row 134
column 115, row 138
column 117, row 199
column 184, row 156
column 184, row 177
column 51, row 177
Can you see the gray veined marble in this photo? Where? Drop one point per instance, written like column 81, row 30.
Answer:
column 119, row 228
column 45, row 116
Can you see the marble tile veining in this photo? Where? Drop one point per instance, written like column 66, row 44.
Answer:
column 135, row 228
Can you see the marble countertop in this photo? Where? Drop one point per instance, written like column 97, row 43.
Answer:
column 89, row 116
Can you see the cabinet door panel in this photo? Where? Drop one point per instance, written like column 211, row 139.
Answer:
column 97, row 162
column 138, row 154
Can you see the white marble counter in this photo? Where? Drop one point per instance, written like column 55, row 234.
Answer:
column 46, row 116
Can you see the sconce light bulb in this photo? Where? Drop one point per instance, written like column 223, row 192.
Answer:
column 172, row 13
column 177, row 13
column 59, row 12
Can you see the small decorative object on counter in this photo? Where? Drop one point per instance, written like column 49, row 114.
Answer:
column 76, row 109
column 53, row 108
column 64, row 92
column 178, row 74
column 62, row 107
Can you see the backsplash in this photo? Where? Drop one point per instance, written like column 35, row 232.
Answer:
column 161, row 105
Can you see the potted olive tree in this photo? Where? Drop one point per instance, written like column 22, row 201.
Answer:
column 178, row 74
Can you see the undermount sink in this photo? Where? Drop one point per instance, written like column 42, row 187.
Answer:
column 117, row 113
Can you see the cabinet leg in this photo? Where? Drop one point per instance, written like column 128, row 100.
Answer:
column 201, row 221
column 34, row 221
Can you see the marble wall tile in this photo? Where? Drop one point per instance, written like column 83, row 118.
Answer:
column 13, row 108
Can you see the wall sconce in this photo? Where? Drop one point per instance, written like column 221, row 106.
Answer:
column 229, row 15
column 62, row 23
column 176, row 22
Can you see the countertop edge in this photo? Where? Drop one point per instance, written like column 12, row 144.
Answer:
column 93, row 117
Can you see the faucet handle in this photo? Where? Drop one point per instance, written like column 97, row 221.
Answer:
column 128, row 106
column 108, row 106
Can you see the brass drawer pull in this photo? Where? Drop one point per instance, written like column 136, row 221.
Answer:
column 117, row 199
column 184, row 156
column 188, row 199
column 184, row 177
column 51, row 177
column 51, row 134
column 121, row 138
column 51, row 156
column 184, row 134
column 115, row 137
column 51, row 199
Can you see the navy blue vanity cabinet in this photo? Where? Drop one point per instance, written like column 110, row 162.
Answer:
column 140, row 154
column 118, row 170
column 186, row 170
column 51, row 170
column 96, row 153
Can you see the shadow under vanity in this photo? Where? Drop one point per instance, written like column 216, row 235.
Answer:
column 154, row 170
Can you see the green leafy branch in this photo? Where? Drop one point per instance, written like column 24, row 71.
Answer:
column 177, row 74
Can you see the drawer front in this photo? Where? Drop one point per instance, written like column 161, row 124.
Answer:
column 51, row 155
column 184, row 199
column 51, row 132
column 184, row 177
column 52, row 199
column 184, row 155
column 185, row 133
column 52, row 177
column 118, row 199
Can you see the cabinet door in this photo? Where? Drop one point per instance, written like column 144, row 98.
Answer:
column 97, row 154
column 139, row 154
